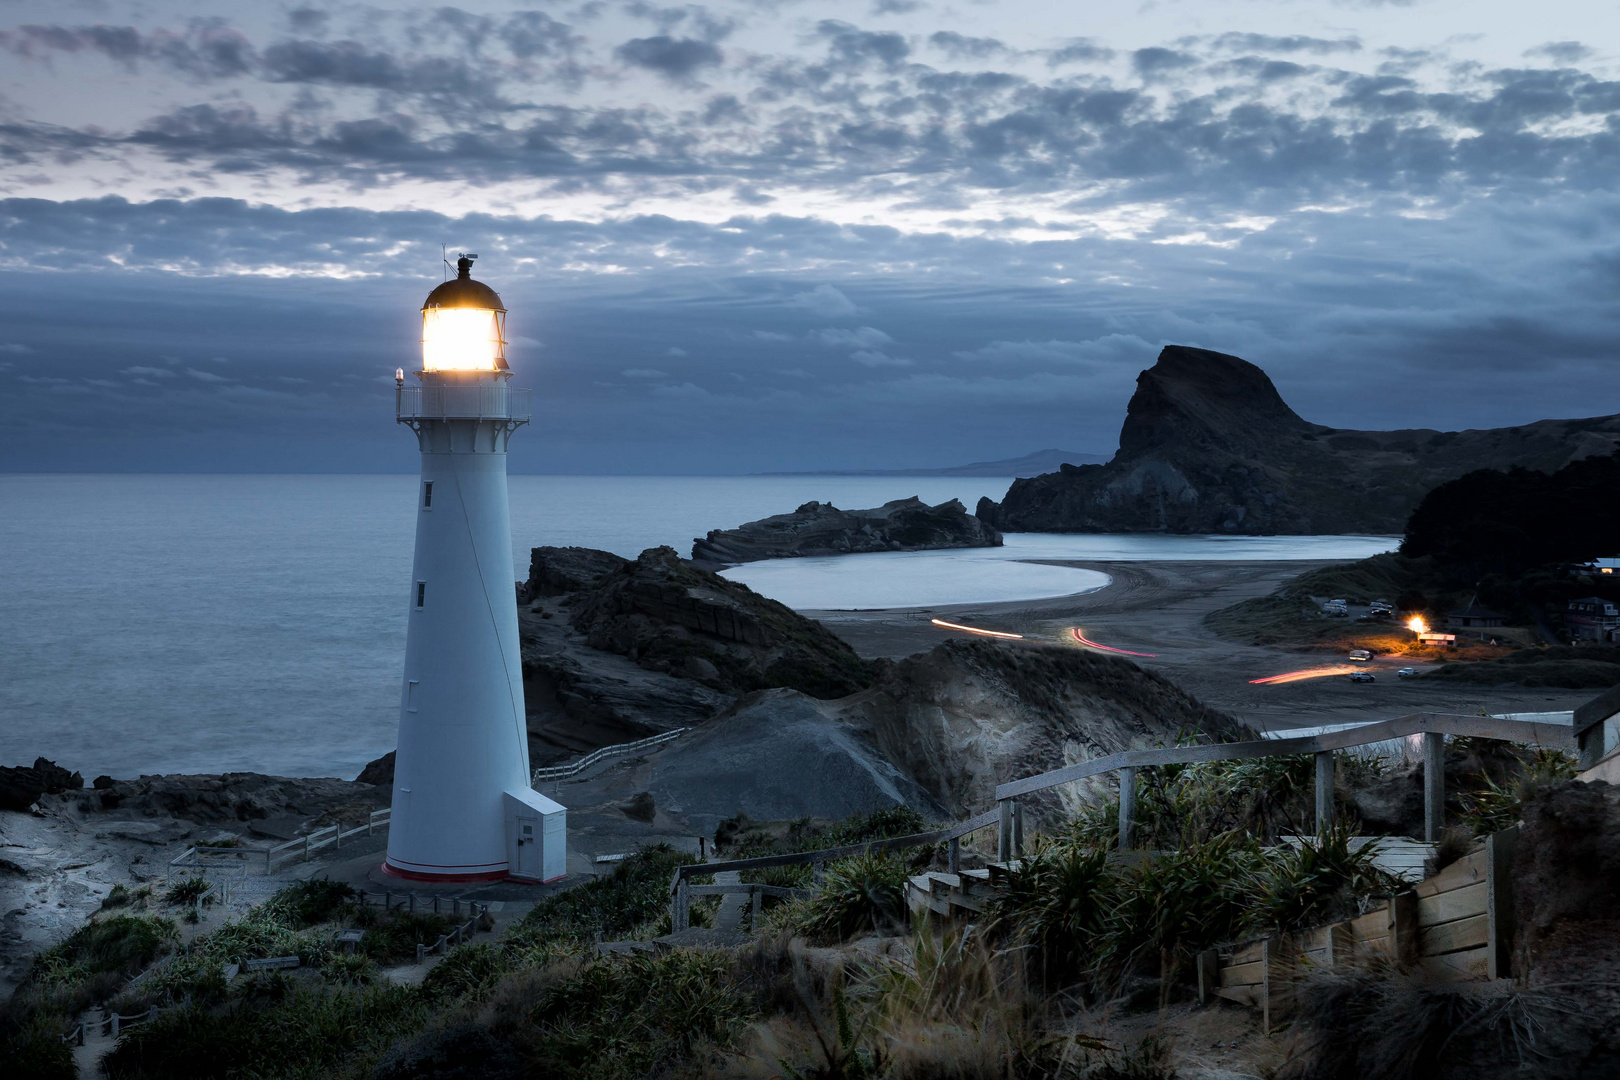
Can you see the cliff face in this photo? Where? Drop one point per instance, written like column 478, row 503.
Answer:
column 818, row 528
column 1209, row 446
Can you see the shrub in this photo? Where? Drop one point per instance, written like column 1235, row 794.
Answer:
column 1497, row 806
column 304, row 1035
column 468, row 971
column 612, row 1018
column 865, row 893
column 636, row 893
column 34, row 1048
column 354, row 968
column 1319, row 881
column 186, row 890
column 1058, row 901
column 307, row 903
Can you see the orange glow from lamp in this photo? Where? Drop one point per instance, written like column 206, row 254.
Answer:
column 1417, row 625
column 463, row 325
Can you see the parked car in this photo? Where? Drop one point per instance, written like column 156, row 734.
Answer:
column 1337, row 608
column 1380, row 609
column 1362, row 655
column 1407, row 672
column 1363, row 676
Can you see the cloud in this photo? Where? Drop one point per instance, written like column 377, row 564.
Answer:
column 1077, row 51
column 1242, row 42
column 644, row 373
column 675, row 58
column 866, row 337
column 872, row 358
column 1562, row 52
column 823, row 300
column 959, row 47
column 15, row 347
column 149, row 372
column 857, row 46
column 206, row 376
column 676, row 350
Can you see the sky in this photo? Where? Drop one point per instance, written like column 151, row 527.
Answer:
column 777, row 235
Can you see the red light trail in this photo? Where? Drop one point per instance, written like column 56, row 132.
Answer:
column 1079, row 635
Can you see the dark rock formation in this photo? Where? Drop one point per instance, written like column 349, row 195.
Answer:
column 822, row 529
column 672, row 617
column 554, row 571
column 969, row 715
column 23, row 786
column 1566, row 875
column 379, row 772
column 1208, row 446
column 224, row 797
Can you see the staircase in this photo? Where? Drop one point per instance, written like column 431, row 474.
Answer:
column 960, row 895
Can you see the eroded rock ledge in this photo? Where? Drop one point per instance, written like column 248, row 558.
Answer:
column 818, row 528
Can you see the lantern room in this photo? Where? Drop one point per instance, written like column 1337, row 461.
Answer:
column 463, row 324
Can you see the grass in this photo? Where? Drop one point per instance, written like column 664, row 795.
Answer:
column 616, row 906
column 1497, row 805
column 862, row 895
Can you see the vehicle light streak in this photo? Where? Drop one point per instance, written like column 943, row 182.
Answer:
column 976, row 630
column 1080, row 636
column 1305, row 673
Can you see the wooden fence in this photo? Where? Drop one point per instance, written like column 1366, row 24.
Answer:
column 202, row 859
column 1456, row 926
column 563, row 772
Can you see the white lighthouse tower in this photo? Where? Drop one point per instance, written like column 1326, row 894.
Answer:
column 463, row 809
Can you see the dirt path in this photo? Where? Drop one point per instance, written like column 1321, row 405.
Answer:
column 1158, row 608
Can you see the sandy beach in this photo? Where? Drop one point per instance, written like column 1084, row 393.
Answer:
column 1158, row 608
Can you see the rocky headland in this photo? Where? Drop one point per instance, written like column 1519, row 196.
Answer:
column 818, row 528
column 1209, row 446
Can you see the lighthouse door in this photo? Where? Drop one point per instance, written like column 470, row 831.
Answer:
column 528, row 849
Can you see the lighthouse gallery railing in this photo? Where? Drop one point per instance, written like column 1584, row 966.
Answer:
column 482, row 402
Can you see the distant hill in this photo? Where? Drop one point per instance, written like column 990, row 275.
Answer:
column 1209, row 446
column 1041, row 461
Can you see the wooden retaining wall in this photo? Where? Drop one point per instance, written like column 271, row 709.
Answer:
column 1456, row 926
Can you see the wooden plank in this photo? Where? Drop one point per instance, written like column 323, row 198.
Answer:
column 1374, row 924
column 1247, row 952
column 1252, row 973
column 1243, row 995
column 1207, row 966
column 1403, row 927
column 1464, row 966
column 939, row 884
column 1469, row 933
column 965, row 902
column 823, row 855
column 1450, row 906
column 1468, row 870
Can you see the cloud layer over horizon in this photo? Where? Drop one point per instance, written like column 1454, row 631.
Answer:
column 759, row 236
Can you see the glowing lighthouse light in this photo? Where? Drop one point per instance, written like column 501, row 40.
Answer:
column 463, row 809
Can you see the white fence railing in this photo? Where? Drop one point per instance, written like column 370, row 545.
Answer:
column 481, row 402
column 563, row 772
column 200, row 860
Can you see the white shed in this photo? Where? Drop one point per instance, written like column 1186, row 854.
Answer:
column 536, row 836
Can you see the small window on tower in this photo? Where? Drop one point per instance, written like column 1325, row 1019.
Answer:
column 421, row 594
column 410, row 695
column 427, row 495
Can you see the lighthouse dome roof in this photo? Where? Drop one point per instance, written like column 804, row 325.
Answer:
column 462, row 291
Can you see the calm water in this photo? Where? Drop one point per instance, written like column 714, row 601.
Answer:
column 209, row 623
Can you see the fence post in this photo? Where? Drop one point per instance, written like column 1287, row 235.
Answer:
column 1434, row 785
column 953, row 855
column 455, row 905
column 1127, row 808
column 421, row 953
column 306, row 847
column 435, row 905
column 756, row 904
column 1324, row 791
column 1018, row 829
column 1499, row 900
column 413, row 903
column 114, row 1025
column 1004, row 833
column 679, row 918
column 818, row 872
column 703, row 849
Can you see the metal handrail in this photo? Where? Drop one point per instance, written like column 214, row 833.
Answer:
column 563, row 772
column 462, row 403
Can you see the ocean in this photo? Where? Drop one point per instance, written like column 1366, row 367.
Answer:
column 209, row 623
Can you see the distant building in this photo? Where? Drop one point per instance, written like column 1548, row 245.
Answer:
column 1604, row 566
column 1592, row 618
column 1438, row 641
column 1474, row 616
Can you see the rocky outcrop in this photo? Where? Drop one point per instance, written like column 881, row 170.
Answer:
column 759, row 756
column 554, row 571
column 818, row 528
column 1209, row 446
column 23, row 786
column 226, row 797
column 969, row 715
column 678, row 619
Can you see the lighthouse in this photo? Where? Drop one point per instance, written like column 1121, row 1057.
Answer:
column 463, row 809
